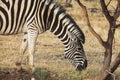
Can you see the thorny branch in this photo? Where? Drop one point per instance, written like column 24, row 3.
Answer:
column 89, row 24
column 105, row 11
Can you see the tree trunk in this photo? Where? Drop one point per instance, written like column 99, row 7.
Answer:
column 107, row 70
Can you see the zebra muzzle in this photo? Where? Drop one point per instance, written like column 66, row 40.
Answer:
column 83, row 66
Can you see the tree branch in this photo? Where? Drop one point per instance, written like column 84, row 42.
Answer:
column 105, row 11
column 108, row 44
column 117, row 12
column 107, row 73
column 109, row 2
column 117, row 26
column 111, row 74
column 115, row 64
column 119, row 3
column 89, row 25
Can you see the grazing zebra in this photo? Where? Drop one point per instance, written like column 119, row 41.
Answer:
column 33, row 17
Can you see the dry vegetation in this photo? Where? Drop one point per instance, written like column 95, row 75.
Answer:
column 49, row 54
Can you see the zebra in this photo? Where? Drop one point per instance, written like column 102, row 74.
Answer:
column 34, row 17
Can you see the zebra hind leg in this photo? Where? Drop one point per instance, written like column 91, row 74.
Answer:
column 23, row 48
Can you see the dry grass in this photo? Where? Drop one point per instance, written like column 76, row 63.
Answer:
column 50, row 51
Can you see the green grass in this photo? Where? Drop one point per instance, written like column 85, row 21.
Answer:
column 42, row 74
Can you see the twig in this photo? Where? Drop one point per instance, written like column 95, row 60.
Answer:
column 115, row 63
column 106, row 12
column 116, row 13
column 111, row 74
column 109, row 3
column 89, row 24
column 117, row 26
column 119, row 3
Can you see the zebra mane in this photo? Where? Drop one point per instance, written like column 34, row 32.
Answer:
column 58, row 5
column 80, row 36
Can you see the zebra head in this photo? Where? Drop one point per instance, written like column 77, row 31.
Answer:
column 74, row 50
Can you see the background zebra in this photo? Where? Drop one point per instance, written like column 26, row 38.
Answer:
column 33, row 17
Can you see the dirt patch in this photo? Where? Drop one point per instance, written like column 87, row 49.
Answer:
column 12, row 74
column 39, row 74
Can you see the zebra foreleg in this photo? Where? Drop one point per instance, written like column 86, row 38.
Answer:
column 23, row 48
column 32, row 36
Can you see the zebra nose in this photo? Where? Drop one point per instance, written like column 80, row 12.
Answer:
column 82, row 67
column 85, row 64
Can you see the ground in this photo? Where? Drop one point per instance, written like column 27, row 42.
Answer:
column 49, row 55
column 14, row 75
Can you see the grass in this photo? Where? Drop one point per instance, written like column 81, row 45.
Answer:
column 42, row 74
column 49, row 55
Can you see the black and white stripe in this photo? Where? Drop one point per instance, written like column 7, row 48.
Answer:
column 33, row 17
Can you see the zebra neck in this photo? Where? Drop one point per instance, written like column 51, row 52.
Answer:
column 61, row 29
column 66, row 30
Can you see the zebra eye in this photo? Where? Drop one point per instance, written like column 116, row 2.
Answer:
column 74, row 39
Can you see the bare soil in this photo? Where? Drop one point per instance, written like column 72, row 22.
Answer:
column 39, row 74
column 13, row 74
